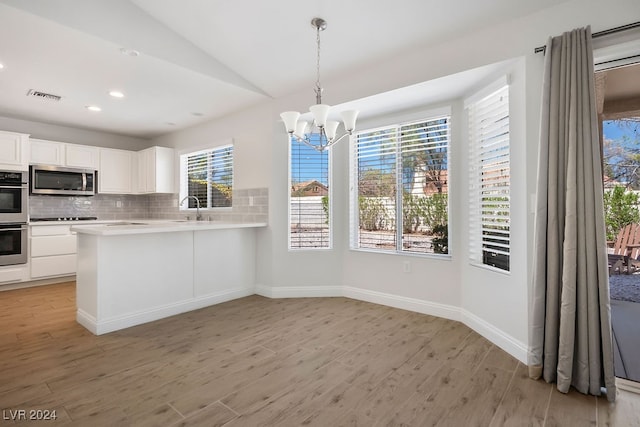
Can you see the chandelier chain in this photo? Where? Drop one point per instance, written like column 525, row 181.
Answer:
column 318, row 88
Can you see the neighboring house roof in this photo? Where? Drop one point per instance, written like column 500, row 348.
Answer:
column 312, row 187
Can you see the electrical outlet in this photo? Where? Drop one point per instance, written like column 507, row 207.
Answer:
column 406, row 266
column 118, row 203
column 250, row 200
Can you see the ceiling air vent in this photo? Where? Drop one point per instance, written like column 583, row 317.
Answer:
column 43, row 95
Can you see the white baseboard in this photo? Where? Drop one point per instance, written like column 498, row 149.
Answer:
column 87, row 320
column 498, row 337
column 132, row 319
column 404, row 303
column 38, row 282
column 299, row 291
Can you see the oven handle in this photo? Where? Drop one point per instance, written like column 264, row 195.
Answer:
column 12, row 228
column 14, row 186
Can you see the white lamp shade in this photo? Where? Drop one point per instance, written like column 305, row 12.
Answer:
column 320, row 113
column 330, row 129
column 290, row 118
column 349, row 119
column 301, row 128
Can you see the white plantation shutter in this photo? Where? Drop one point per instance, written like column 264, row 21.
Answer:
column 376, row 188
column 309, row 201
column 489, row 174
column 423, row 175
column 208, row 175
column 398, row 169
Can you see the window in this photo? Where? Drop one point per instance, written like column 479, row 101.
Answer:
column 309, row 201
column 207, row 175
column 489, row 173
column 400, row 196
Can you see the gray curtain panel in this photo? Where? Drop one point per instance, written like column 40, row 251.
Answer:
column 571, row 320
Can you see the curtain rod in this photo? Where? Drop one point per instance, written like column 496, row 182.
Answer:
column 600, row 34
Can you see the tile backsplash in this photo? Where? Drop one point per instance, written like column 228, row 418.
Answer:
column 249, row 205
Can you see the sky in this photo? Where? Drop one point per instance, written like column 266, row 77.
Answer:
column 612, row 130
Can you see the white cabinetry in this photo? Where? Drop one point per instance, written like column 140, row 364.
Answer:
column 81, row 156
column 156, row 170
column 13, row 273
column 53, row 251
column 116, row 171
column 14, row 151
column 63, row 154
column 46, row 152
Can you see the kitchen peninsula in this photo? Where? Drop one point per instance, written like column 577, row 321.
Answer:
column 135, row 272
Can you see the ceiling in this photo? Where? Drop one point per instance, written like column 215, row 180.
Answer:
column 203, row 59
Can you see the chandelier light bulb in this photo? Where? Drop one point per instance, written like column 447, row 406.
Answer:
column 331, row 128
column 301, row 128
column 320, row 113
column 290, row 118
column 349, row 119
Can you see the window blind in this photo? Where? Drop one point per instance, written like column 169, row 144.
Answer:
column 401, row 192
column 424, row 173
column 209, row 177
column 490, row 179
column 376, row 188
column 309, row 201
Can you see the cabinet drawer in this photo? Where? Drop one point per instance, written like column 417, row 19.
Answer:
column 53, row 266
column 50, row 230
column 12, row 274
column 53, row 245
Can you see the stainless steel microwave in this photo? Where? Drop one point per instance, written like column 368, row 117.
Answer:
column 55, row 180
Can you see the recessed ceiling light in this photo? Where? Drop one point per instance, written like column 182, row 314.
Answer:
column 171, row 123
column 198, row 114
column 93, row 108
column 129, row 52
column 1, row 66
column 116, row 94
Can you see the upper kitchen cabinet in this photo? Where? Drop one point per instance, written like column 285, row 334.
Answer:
column 116, row 171
column 14, row 151
column 63, row 154
column 82, row 156
column 46, row 152
column 156, row 170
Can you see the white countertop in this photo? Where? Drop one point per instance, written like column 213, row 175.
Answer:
column 128, row 227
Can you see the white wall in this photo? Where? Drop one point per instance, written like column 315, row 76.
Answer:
column 493, row 303
column 73, row 135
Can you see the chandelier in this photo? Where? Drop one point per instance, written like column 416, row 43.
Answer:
column 322, row 131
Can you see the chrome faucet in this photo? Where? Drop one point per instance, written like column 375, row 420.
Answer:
column 198, row 216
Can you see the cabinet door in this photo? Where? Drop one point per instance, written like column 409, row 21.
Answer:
column 46, row 152
column 146, row 170
column 13, row 151
column 115, row 172
column 155, row 170
column 82, row 156
column 163, row 171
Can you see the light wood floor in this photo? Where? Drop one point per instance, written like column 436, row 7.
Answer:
column 288, row 362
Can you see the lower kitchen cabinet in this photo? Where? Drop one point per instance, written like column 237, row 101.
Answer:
column 53, row 251
column 13, row 273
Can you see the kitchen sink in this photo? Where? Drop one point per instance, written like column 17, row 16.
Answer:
column 111, row 224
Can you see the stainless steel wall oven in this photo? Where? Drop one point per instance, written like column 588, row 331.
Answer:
column 14, row 197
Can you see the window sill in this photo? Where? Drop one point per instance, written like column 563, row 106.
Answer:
column 443, row 257
column 490, row 268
